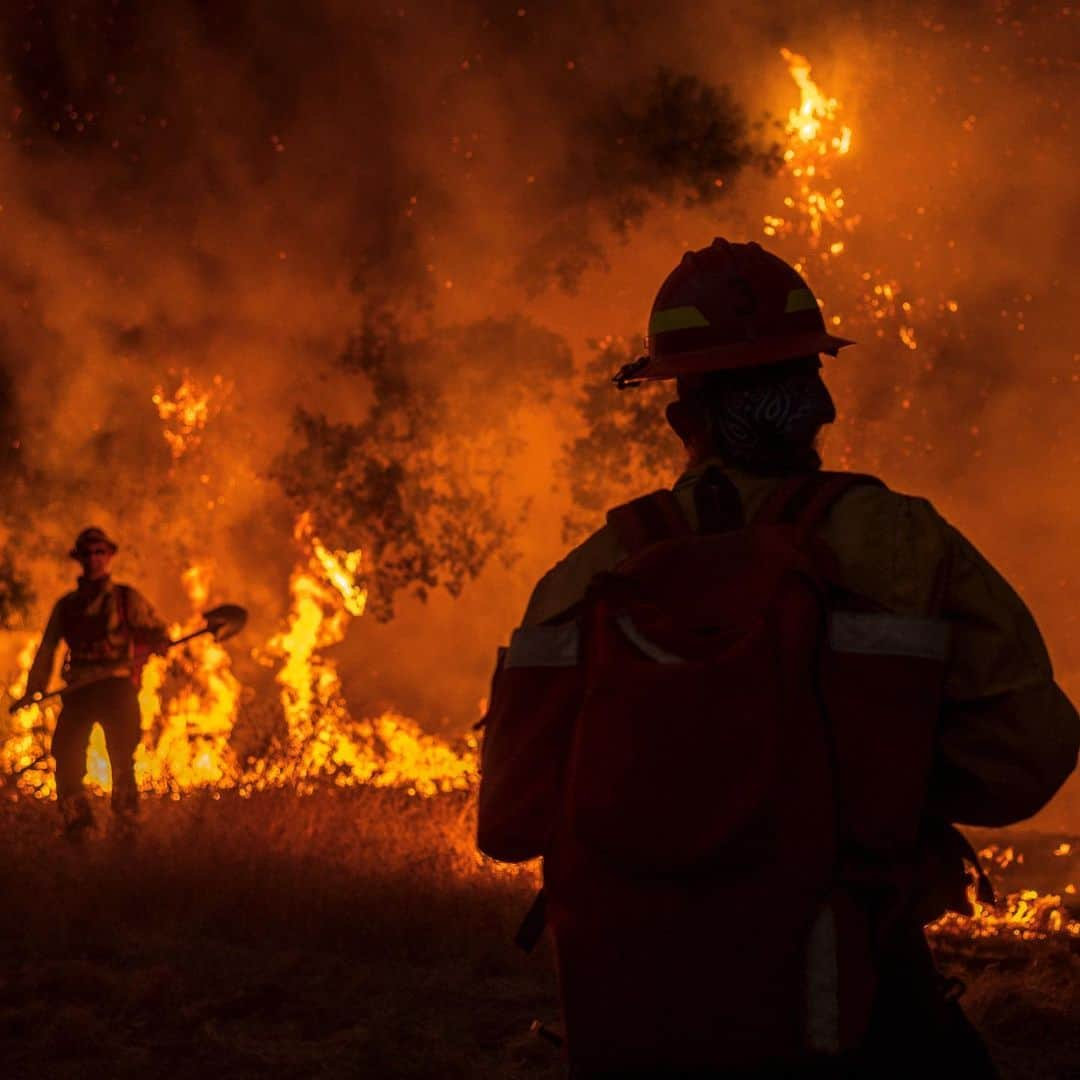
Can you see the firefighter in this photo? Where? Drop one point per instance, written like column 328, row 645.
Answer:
column 741, row 720
column 107, row 628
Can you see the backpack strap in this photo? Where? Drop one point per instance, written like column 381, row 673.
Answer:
column 123, row 605
column 648, row 520
column 716, row 499
column 533, row 924
column 804, row 500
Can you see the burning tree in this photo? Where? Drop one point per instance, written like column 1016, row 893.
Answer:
column 419, row 482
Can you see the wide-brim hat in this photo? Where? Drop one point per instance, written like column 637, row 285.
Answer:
column 92, row 535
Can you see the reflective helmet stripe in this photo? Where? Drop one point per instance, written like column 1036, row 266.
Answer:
column 800, row 300
column 730, row 306
column 679, row 318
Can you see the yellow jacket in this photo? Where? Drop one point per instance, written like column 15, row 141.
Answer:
column 1008, row 736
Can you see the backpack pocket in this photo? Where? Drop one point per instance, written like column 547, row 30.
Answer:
column 674, row 761
column 881, row 679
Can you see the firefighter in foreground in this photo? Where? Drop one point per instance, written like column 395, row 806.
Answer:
column 741, row 720
column 108, row 628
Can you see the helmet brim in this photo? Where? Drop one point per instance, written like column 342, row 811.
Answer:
column 739, row 356
column 77, row 553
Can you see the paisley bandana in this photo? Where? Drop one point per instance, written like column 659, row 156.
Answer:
column 770, row 424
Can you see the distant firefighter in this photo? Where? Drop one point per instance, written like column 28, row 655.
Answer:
column 107, row 628
column 741, row 721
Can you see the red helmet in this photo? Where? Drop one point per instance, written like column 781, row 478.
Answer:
column 730, row 306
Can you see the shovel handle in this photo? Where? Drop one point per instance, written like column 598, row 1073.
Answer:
column 189, row 637
column 31, row 699
column 36, row 699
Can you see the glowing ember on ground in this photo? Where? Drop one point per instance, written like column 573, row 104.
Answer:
column 1025, row 914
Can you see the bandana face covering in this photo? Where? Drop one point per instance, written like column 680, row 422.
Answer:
column 771, row 425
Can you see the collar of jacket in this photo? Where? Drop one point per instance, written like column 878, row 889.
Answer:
column 691, row 476
column 91, row 588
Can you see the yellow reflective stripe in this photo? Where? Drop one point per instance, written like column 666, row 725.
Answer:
column 800, row 300
column 676, row 318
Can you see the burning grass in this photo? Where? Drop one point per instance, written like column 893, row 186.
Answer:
column 347, row 932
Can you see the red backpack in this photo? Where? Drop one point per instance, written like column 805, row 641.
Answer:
column 693, row 878
column 724, row 764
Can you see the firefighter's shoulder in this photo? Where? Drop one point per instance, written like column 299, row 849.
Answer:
column 127, row 594
column 890, row 546
column 66, row 601
column 564, row 585
column 131, row 593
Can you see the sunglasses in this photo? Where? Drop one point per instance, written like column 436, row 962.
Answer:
column 95, row 551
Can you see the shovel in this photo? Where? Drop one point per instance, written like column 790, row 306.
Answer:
column 222, row 622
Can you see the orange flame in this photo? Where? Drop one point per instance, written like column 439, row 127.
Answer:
column 186, row 412
column 191, row 701
column 815, row 139
column 1027, row 915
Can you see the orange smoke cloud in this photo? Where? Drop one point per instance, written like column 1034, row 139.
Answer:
column 221, row 201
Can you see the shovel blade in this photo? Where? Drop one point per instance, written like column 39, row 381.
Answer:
column 226, row 621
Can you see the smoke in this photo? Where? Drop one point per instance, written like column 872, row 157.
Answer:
column 390, row 231
column 420, row 479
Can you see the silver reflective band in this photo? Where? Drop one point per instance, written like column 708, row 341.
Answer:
column 544, row 646
column 649, row 648
column 875, row 634
column 823, row 984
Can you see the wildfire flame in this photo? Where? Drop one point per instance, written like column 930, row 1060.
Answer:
column 190, row 725
column 342, row 568
column 325, row 742
column 191, row 702
column 1026, row 915
column 815, row 140
column 23, row 752
column 186, row 412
